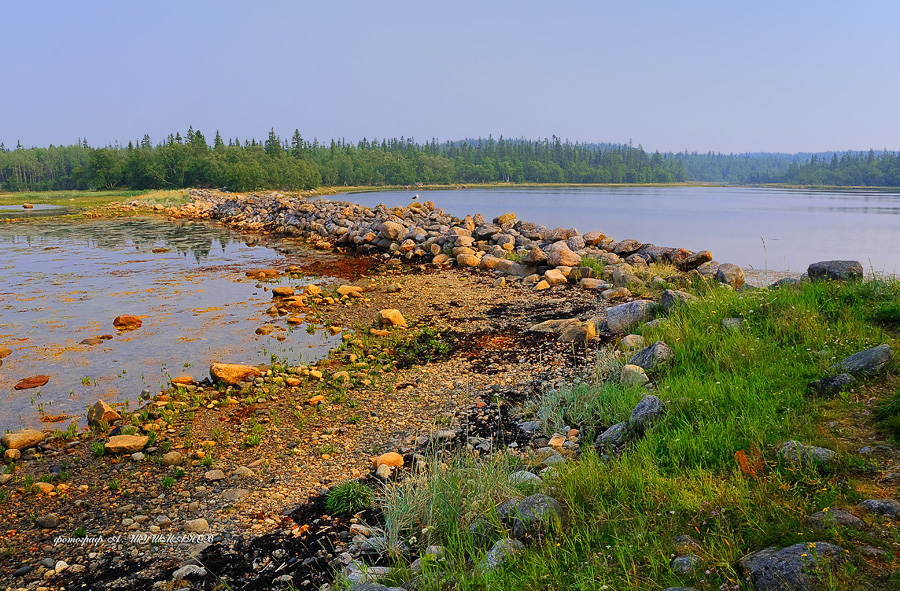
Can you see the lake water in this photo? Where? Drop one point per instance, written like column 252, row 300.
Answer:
column 799, row 227
column 64, row 281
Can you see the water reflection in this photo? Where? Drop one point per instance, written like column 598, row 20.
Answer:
column 62, row 282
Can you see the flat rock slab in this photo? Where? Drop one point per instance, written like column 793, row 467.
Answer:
column 126, row 444
column 22, row 439
column 32, row 382
column 800, row 567
column 232, row 374
column 835, row 517
column 865, row 363
column 805, row 455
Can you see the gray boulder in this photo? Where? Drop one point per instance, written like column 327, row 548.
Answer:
column 673, row 297
column 865, row 363
column 685, row 565
column 824, row 519
column 647, row 411
column 796, row 452
column 836, row 270
column 800, row 567
column 534, row 512
column 627, row 246
column 615, row 436
column 888, row 507
column 624, row 316
column 500, row 553
column 730, row 275
column 649, row 357
column 831, row 385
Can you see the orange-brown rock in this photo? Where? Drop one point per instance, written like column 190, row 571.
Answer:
column 126, row 444
column 316, row 400
column 32, row 382
column 390, row 317
column 391, row 459
column 127, row 322
column 282, row 291
column 232, row 374
column 5, row 352
column 22, row 439
column 184, row 380
column 102, row 412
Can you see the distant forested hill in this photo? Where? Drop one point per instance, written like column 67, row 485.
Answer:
column 192, row 161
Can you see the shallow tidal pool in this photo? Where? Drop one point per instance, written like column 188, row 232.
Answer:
column 63, row 282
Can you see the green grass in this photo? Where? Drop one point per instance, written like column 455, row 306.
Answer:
column 76, row 201
column 349, row 497
column 726, row 392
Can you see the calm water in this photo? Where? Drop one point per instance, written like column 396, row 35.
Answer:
column 799, row 227
column 62, row 282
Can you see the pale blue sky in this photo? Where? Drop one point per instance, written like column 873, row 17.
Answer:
column 726, row 75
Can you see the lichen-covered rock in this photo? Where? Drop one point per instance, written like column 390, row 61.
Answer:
column 535, row 512
column 835, row 517
column 836, row 270
column 801, row 567
column 650, row 357
column 865, row 363
column 673, row 297
column 500, row 553
column 624, row 316
column 806, row 455
column 633, row 375
column 888, row 507
column 730, row 275
column 647, row 411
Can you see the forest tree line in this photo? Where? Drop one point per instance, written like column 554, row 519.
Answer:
column 191, row 161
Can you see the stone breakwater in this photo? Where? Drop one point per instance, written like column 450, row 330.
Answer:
column 422, row 233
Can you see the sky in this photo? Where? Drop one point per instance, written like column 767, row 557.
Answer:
column 723, row 76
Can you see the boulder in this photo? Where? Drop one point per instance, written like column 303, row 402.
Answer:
column 31, row 382
column 656, row 354
column 624, row 316
column 831, row 385
column 467, row 260
column 626, row 247
column 102, row 412
column 623, row 276
column 647, row 411
column 282, row 291
column 534, row 257
column 730, row 275
column 805, row 455
column 580, row 332
column 554, row 277
column 125, row 444
column 486, row 231
column 888, row 507
column 593, row 238
column 172, row 458
column 633, row 375
column 232, row 374
column 127, row 322
column 391, row 230
column 563, row 257
column 692, row 261
column 500, row 553
column 390, row 459
column 533, row 513
column 865, row 363
column 505, row 218
column 801, row 567
column 673, row 297
column 593, row 284
column 836, row 270
column 22, row 439
column 830, row 517
column 352, row 291
column 390, row 317
column 615, row 436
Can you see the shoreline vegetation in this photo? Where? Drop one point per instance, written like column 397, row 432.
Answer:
column 624, row 418
column 191, row 161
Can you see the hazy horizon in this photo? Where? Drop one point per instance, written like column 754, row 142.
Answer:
column 698, row 76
